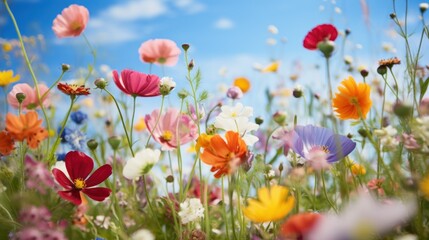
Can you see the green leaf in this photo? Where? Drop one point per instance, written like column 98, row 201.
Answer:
column 203, row 96
column 423, row 87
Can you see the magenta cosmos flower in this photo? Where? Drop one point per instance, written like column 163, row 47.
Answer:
column 79, row 166
column 71, row 22
column 172, row 129
column 159, row 51
column 31, row 101
column 318, row 34
column 137, row 84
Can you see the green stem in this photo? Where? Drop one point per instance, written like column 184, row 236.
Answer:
column 94, row 56
column 53, row 85
column 132, row 119
column 156, row 122
column 150, row 205
column 326, row 194
column 224, row 209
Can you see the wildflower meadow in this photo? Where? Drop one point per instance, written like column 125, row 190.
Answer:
column 336, row 151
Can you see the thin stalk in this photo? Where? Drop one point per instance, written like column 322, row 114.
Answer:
column 94, row 56
column 132, row 119
column 150, row 205
column 157, row 121
column 326, row 194
column 224, row 210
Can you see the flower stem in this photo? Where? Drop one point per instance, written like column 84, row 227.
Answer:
column 150, row 205
column 224, row 209
column 132, row 119
column 94, row 57
column 326, row 194
column 156, row 122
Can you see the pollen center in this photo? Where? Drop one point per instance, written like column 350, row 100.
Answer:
column 325, row 149
column 354, row 101
column 79, row 183
column 167, row 135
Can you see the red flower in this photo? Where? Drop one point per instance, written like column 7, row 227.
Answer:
column 319, row 34
column 79, row 166
column 73, row 89
column 297, row 226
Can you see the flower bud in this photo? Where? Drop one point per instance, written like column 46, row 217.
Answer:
column 349, row 135
column 382, row 70
column 402, row 110
column 234, row 93
column 182, row 94
column 364, row 73
column 114, row 142
column 327, row 47
column 279, row 117
column 166, row 85
column 20, row 97
column 92, row 144
column 423, row 7
column 169, row 179
column 297, row 92
column 185, row 46
column 392, row 15
column 65, row 67
column 363, row 132
column 347, row 32
column 259, row 120
column 281, row 167
column 101, row 83
column 191, row 65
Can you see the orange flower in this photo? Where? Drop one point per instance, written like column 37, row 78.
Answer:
column 73, row 89
column 243, row 83
column 224, row 156
column 6, row 143
column 26, row 127
column 297, row 226
column 352, row 101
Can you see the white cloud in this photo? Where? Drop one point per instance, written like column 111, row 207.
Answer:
column 135, row 10
column 190, row 6
column 224, row 23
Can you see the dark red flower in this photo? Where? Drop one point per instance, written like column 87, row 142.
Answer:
column 319, row 34
column 73, row 89
column 79, row 166
column 297, row 226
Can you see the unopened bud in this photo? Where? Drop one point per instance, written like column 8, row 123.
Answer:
column 65, row 67
column 92, row 144
column 191, row 65
column 114, row 142
column 402, row 110
column 281, row 167
column 363, row 132
column 101, row 83
column 20, row 97
column 166, row 85
column 423, row 7
column 392, row 15
column 259, row 120
column 182, row 94
column 169, row 179
column 364, row 73
column 382, row 70
column 185, row 46
column 327, row 47
column 349, row 135
column 347, row 32
column 279, row 117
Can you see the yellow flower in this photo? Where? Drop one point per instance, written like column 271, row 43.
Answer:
column 6, row 78
column 273, row 67
column 140, row 125
column 203, row 141
column 7, row 47
column 358, row 169
column 424, row 186
column 273, row 204
column 243, row 83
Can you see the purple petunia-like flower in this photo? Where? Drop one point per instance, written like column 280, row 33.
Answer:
column 308, row 138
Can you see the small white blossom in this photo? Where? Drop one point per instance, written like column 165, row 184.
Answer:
column 236, row 111
column 191, row 210
column 102, row 221
column 168, row 81
column 423, row 6
column 141, row 164
column 387, row 137
column 142, row 234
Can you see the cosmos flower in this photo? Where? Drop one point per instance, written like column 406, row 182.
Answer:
column 159, row 51
column 6, row 78
column 73, row 89
column 243, row 83
column 137, row 84
column 172, row 129
column 26, row 127
column 353, row 100
column 141, row 164
column 273, row 204
column 318, row 34
column 31, row 101
column 79, row 166
column 224, row 155
column 299, row 225
column 71, row 22
column 309, row 138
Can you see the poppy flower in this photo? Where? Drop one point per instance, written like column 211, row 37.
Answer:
column 6, row 78
column 318, row 34
column 224, row 156
column 297, row 226
column 159, row 51
column 26, row 127
column 71, row 22
column 73, row 89
column 273, row 204
column 79, row 166
column 353, row 100
column 6, row 143
column 137, row 84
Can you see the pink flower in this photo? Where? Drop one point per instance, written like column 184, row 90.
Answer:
column 317, row 158
column 39, row 177
column 137, row 84
column 159, row 51
column 172, row 129
column 71, row 22
column 410, row 142
column 30, row 101
column 375, row 184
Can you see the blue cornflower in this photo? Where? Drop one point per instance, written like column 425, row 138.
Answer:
column 78, row 117
column 76, row 139
column 65, row 132
column 61, row 156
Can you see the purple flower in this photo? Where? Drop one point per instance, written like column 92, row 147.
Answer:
column 307, row 138
column 234, row 93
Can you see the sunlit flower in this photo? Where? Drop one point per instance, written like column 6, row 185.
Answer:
column 191, row 210
column 243, row 83
column 166, row 85
column 173, row 128
column 363, row 218
column 140, row 125
column 310, row 137
column 71, row 22
column 353, row 100
column 159, row 51
column 273, row 67
column 389, row 62
column 299, row 225
column 26, row 127
column 387, row 136
column 224, row 155
column 424, row 186
column 319, row 34
column 137, row 84
column 79, row 166
column 73, row 89
column 203, row 141
column 31, row 101
column 6, row 78
column 142, row 234
column 273, row 204
column 7, row 144
column 358, row 169
column 141, row 164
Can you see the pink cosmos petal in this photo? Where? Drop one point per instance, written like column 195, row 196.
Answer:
column 99, row 175
column 97, row 194
column 155, row 50
column 78, row 165
column 137, row 84
column 71, row 22
column 71, row 196
column 30, row 93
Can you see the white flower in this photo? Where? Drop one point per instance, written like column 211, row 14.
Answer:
column 364, row 217
column 141, row 164
column 191, row 210
column 387, row 137
column 102, row 221
column 423, row 6
column 420, row 130
column 142, row 234
column 240, row 125
column 235, row 112
column 168, row 81
column 273, row 29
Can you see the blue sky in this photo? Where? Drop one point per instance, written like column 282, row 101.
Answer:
column 223, row 34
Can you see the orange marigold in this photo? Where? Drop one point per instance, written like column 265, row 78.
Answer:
column 6, row 143
column 224, row 156
column 353, row 100
column 26, row 127
column 242, row 83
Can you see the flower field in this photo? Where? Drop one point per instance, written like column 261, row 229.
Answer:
column 82, row 159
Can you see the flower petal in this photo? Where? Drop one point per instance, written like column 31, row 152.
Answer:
column 71, row 196
column 101, row 174
column 62, row 179
column 78, row 165
column 97, row 194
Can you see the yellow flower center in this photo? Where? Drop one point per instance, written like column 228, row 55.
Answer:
column 79, row 183
column 325, row 149
column 354, row 101
column 167, row 135
column 234, row 114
